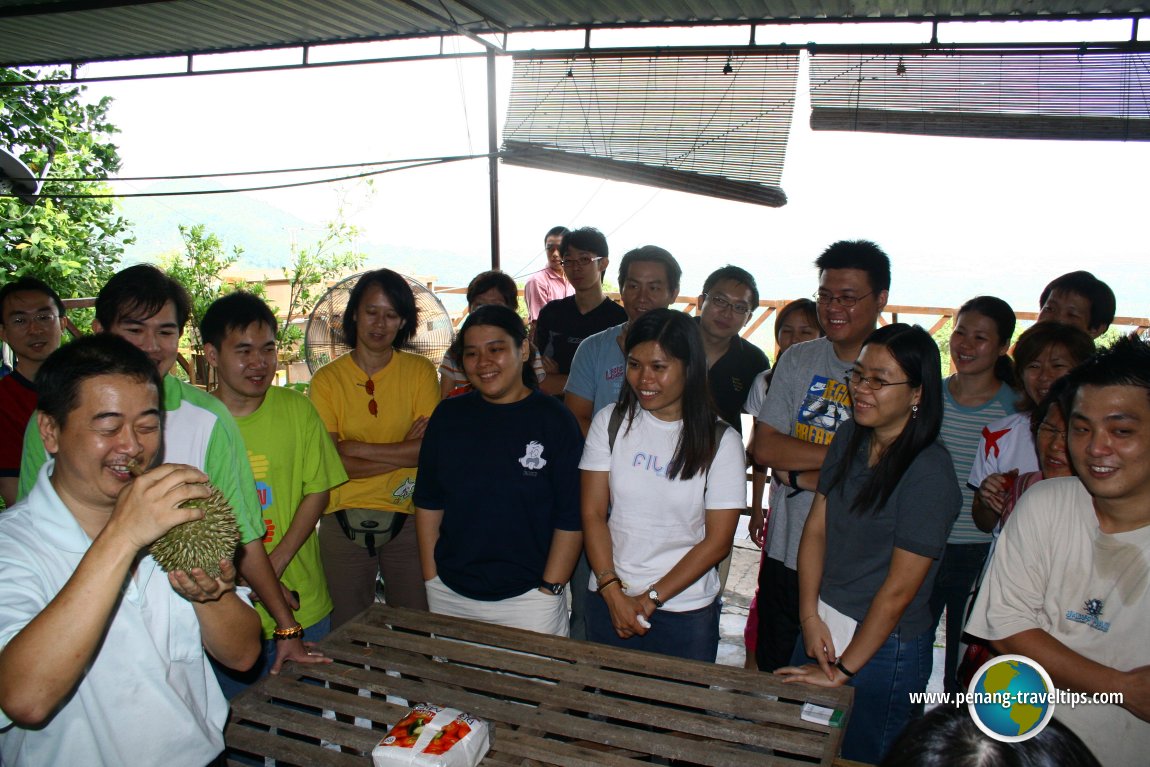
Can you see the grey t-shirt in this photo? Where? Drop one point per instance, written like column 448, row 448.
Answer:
column 808, row 400
column 916, row 518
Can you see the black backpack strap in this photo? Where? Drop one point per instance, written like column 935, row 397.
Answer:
column 613, row 427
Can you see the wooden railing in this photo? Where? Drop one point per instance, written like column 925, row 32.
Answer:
column 760, row 330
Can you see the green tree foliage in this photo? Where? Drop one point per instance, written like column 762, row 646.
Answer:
column 73, row 244
column 199, row 268
column 312, row 267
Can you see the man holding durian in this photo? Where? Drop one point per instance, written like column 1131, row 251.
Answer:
column 102, row 655
column 150, row 309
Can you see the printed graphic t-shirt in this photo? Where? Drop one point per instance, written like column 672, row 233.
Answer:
column 291, row 456
column 506, row 478
column 808, row 400
column 1053, row 569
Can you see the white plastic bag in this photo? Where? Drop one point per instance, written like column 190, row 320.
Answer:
column 433, row 736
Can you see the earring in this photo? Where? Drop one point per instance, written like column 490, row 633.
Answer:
column 914, row 411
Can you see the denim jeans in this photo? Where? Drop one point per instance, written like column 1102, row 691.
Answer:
column 235, row 682
column 959, row 569
column 693, row 634
column 882, row 707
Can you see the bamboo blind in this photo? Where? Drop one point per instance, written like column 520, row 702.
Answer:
column 1009, row 93
column 704, row 123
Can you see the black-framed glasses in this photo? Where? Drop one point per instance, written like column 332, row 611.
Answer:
column 1052, row 431
column 874, row 384
column 722, row 303
column 846, row 302
column 579, row 262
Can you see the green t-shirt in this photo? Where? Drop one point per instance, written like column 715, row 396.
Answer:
column 292, row 456
column 198, row 431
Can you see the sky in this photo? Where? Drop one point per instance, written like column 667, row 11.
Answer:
column 959, row 217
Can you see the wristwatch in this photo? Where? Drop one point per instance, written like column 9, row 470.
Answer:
column 654, row 597
column 554, row 588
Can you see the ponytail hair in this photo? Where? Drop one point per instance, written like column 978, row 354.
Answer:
column 999, row 312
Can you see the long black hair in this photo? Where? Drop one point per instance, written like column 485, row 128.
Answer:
column 506, row 320
column 999, row 312
column 917, row 355
column 678, row 335
column 398, row 292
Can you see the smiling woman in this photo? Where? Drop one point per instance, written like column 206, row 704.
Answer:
column 873, row 540
column 499, row 532
column 674, row 478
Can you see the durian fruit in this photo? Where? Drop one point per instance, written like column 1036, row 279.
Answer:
column 202, row 542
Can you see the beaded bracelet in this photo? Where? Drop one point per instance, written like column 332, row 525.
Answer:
column 295, row 632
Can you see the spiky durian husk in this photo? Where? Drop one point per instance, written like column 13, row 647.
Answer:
column 202, row 542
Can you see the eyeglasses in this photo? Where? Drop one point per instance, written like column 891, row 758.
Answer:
column 21, row 321
column 724, row 304
column 1052, row 431
column 579, row 262
column 372, row 407
column 874, row 384
column 846, row 302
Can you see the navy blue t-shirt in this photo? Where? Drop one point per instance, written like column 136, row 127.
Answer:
column 506, row 478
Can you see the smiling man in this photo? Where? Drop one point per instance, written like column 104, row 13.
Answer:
column 293, row 460
column 31, row 322
column 804, row 407
column 149, row 309
column 1069, row 582
column 1078, row 299
column 102, row 656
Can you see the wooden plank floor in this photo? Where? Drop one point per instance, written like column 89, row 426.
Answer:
column 551, row 701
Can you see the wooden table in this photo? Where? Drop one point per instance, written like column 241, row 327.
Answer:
column 551, row 701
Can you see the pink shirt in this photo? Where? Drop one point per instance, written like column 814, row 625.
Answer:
column 543, row 286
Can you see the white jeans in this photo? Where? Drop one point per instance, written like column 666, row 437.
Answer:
column 533, row 610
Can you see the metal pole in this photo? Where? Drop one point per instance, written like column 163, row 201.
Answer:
column 493, row 159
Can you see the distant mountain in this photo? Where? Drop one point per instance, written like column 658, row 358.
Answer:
column 263, row 231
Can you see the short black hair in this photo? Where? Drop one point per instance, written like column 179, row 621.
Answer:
column 234, row 311
column 1103, row 305
column 858, row 254
column 555, row 231
column 499, row 280
column 33, row 284
column 659, row 256
column 1126, row 362
column 739, row 275
column 58, row 382
column 141, row 289
column 947, row 735
column 395, row 287
column 586, row 238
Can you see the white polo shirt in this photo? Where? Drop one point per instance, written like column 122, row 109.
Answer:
column 149, row 695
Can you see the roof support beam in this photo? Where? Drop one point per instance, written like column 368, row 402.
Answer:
column 458, row 28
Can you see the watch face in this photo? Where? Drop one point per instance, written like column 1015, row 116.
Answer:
column 554, row 588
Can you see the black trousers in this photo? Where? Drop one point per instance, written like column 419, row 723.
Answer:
column 778, row 614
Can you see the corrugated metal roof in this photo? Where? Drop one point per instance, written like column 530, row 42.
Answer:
column 55, row 31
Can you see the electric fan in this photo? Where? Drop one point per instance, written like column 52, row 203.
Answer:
column 323, row 335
